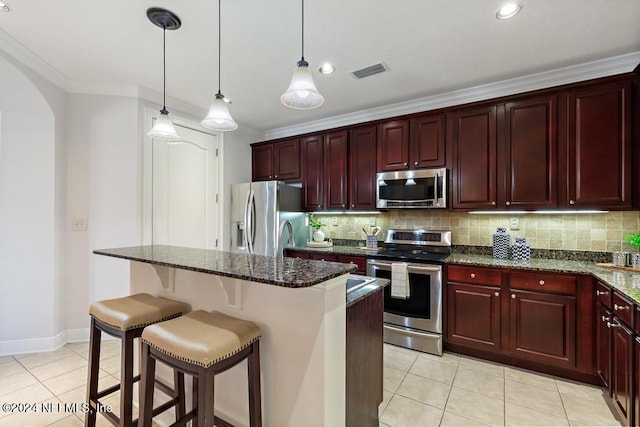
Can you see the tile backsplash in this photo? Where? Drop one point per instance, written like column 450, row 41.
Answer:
column 586, row 232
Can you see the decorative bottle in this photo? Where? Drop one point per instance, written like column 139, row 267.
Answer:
column 521, row 251
column 501, row 243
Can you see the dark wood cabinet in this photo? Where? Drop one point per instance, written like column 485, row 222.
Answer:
column 292, row 253
column 393, row 146
column 636, row 380
column 529, row 153
column 362, row 168
column 427, row 141
column 335, row 171
column 622, row 369
column 324, row 178
column 323, row 256
column 474, row 316
column 364, row 361
column 599, row 146
column 278, row 160
column 358, row 261
column 312, row 173
column 473, row 136
column 543, row 327
column 603, row 346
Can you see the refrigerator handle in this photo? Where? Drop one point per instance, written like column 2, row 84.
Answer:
column 249, row 231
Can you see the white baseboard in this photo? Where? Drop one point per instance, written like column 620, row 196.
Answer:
column 39, row 345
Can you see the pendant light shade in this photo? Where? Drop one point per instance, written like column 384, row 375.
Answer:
column 302, row 93
column 163, row 128
column 219, row 118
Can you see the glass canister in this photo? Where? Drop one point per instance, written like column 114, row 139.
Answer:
column 521, row 251
column 501, row 243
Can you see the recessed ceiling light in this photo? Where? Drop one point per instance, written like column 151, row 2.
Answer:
column 4, row 7
column 326, row 68
column 509, row 10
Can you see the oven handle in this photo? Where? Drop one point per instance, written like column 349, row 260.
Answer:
column 406, row 331
column 410, row 267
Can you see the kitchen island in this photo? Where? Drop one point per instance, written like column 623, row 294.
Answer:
column 299, row 305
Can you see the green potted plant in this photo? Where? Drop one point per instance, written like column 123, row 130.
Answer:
column 633, row 240
column 316, row 224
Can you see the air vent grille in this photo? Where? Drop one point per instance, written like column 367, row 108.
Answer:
column 380, row 67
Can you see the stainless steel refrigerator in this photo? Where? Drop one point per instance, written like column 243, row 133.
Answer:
column 259, row 215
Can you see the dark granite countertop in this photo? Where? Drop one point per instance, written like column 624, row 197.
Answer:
column 625, row 282
column 278, row 271
column 366, row 291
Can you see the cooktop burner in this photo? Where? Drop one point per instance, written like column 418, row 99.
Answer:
column 416, row 245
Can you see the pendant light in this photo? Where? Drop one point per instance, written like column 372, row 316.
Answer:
column 163, row 128
column 219, row 117
column 302, row 93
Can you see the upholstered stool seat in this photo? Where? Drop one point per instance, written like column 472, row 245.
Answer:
column 201, row 344
column 126, row 318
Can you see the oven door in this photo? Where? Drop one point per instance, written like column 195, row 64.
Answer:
column 415, row 322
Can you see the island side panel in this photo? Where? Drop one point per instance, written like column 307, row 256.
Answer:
column 302, row 344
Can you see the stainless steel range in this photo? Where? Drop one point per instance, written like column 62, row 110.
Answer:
column 412, row 260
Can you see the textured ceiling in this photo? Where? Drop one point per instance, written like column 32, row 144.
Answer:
column 430, row 46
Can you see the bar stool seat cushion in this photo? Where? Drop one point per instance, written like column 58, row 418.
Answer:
column 201, row 338
column 136, row 311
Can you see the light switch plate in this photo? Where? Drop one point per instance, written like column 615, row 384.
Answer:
column 372, row 221
column 514, row 223
column 335, row 220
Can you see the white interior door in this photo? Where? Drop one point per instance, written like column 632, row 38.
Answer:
column 184, row 190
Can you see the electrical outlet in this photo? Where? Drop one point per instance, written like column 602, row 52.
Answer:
column 514, row 223
column 335, row 220
column 372, row 221
column 79, row 224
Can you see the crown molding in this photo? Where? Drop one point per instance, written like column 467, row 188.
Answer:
column 575, row 73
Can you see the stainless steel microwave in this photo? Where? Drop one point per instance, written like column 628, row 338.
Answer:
column 417, row 189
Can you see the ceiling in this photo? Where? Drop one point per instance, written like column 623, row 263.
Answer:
column 430, row 46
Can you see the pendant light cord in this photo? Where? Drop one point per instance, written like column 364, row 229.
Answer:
column 164, row 68
column 219, row 44
column 303, row 30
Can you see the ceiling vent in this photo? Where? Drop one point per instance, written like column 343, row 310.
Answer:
column 380, row 67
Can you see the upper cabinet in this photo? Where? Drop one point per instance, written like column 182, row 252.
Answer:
column 278, row 160
column 324, row 178
column 362, row 168
column 505, row 155
column 599, row 146
column 412, row 144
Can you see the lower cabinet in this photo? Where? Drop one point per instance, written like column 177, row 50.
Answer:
column 536, row 320
column 622, row 379
column 603, row 346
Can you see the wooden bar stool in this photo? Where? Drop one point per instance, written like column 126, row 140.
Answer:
column 126, row 318
column 201, row 344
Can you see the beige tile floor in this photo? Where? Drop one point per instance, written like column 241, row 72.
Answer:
column 419, row 390
column 425, row 390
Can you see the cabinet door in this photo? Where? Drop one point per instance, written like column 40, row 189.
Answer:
column 473, row 316
column 286, row 160
column 636, row 380
column 543, row 328
column 603, row 343
column 621, row 379
column 599, row 146
column 393, row 146
column 530, row 166
column 473, row 136
column 296, row 254
column 323, row 256
column 312, row 177
column 358, row 261
column 427, row 142
column 335, row 170
column 262, row 162
column 362, row 168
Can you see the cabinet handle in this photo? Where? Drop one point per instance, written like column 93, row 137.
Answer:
column 496, row 293
column 601, row 292
column 473, row 275
column 541, row 282
column 508, row 203
column 493, row 203
column 572, row 202
column 269, row 176
column 415, row 163
column 404, row 164
column 513, row 296
column 605, row 318
column 343, row 206
column 353, row 206
column 612, row 325
column 620, row 307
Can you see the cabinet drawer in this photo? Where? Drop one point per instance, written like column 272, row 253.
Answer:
column 543, row 282
column 474, row 275
column 623, row 308
column 297, row 254
column 603, row 294
column 359, row 261
column 323, row 257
